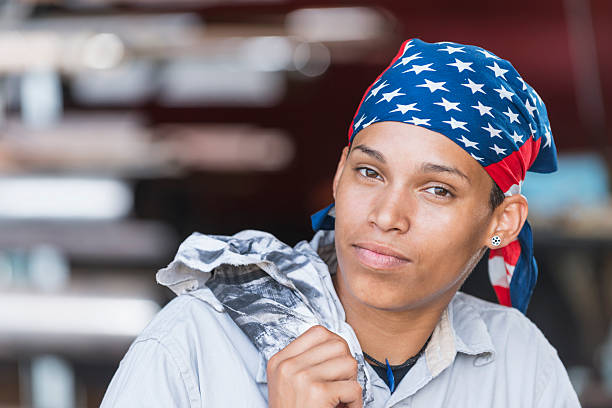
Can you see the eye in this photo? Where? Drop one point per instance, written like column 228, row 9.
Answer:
column 439, row 192
column 368, row 173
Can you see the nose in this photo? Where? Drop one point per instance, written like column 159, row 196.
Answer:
column 391, row 211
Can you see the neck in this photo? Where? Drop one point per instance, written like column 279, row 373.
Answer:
column 384, row 334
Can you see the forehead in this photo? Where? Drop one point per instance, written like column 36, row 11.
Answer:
column 408, row 147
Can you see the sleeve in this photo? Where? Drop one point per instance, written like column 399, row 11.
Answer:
column 150, row 375
column 558, row 390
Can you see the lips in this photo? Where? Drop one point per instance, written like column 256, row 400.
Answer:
column 377, row 256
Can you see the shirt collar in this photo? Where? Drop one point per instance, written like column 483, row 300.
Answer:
column 460, row 330
column 471, row 333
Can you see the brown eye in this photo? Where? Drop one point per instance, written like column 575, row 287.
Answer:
column 439, row 191
column 367, row 172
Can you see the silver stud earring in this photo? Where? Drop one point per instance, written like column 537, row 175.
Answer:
column 496, row 241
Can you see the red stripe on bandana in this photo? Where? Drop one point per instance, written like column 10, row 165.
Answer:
column 510, row 253
column 511, row 169
column 503, row 295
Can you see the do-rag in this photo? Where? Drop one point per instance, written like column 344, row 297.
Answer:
column 480, row 102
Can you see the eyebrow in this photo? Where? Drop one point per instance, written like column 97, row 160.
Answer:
column 440, row 168
column 375, row 154
column 425, row 167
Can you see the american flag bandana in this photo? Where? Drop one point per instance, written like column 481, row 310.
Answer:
column 480, row 102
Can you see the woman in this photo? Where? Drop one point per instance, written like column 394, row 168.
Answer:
column 368, row 313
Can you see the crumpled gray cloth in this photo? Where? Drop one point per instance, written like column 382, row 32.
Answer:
column 272, row 291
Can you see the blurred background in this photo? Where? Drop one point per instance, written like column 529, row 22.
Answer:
column 126, row 125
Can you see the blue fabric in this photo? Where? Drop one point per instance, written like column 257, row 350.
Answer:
column 321, row 220
column 525, row 272
column 390, row 376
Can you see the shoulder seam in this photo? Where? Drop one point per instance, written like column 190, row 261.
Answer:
column 162, row 331
column 185, row 372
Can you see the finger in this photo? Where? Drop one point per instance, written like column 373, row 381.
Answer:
column 332, row 348
column 307, row 340
column 340, row 392
column 336, row 369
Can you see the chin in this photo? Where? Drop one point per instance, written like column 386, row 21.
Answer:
column 393, row 291
column 379, row 290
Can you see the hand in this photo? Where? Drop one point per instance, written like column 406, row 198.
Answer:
column 316, row 370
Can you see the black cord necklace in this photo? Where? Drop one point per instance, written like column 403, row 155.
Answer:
column 390, row 368
column 406, row 363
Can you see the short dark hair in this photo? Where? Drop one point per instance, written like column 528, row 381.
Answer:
column 496, row 197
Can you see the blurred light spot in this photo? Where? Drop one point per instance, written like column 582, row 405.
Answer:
column 52, row 383
column 268, row 53
column 103, row 51
column 41, row 98
column 130, row 83
column 64, row 198
column 231, row 148
column 3, row 103
column 48, row 269
column 202, row 82
column 336, row 24
column 311, row 59
column 43, row 314
column 23, row 51
column 6, row 270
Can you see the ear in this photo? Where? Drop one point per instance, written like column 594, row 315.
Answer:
column 508, row 220
column 340, row 169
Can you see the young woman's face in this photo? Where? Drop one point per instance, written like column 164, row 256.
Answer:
column 412, row 216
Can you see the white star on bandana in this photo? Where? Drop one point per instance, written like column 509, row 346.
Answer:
column 461, row 66
column 498, row 149
column 492, row 131
column 418, row 121
column 405, row 108
column 474, row 86
column 434, row 86
column 456, row 124
column 483, row 109
column 417, row 69
column 499, row 72
column 512, row 116
column 504, row 93
column 468, row 142
column 448, row 105
column 390, row 95
column 450, row 49
column 406, row 60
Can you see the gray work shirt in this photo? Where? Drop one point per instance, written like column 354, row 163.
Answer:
column 243, row 298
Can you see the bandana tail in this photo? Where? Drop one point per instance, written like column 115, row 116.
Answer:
column 513, row 271
column 321, row 220
column 390, row 376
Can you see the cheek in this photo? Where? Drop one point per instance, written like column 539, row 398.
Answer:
column 352, row 206
column 444, row 227
column 448, row 238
